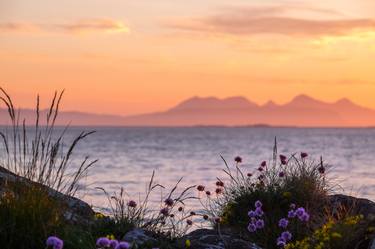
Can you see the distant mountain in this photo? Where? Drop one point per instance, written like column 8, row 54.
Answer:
column 234, row 111
column 300, row 111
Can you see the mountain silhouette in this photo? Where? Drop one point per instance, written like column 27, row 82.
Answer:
column 302, row 111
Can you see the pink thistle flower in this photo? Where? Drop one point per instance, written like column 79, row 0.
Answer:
column 238, row 159
column 200, row 188
column 132, row 204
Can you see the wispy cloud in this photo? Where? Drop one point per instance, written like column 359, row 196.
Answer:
column 94, row 25
column 271, row 20
column 17, row 27
column 76, row 27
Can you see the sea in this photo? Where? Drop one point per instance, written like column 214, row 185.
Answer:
column 128, row 156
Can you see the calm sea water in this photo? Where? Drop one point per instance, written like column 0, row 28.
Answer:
column 127, row 156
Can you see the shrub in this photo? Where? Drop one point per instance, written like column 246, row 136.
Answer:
column 284, row 181
column 346, row 233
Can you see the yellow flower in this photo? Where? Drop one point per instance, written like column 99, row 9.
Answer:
column 99, row 215
column 336, row 235
column 187, row 243
column 110, row 236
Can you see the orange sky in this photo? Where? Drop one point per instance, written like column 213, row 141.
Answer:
column 126, row 57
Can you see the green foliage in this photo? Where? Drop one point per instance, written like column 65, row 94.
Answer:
column 277, row 184
column 345, row 233
column 28, row 216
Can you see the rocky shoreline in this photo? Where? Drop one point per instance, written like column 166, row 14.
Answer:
column 80, row 213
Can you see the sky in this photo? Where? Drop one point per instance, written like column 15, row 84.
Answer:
column 127, row 57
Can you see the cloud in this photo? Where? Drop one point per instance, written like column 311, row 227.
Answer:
column 270, row 20
column 94, row 25
column 77, row 27
column 17, row 27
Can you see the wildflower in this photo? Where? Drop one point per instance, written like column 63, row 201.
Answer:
column 110, row 237
column 180, row 209
column 102, row 242
column 260, row 169
column 263, row 164
column 281, row 174
column 321, row 169
column 259, row 224
column 123, row 245
column 169, row 202
column 283, row 223
column 218, row 191
column 281, row 242
column 164, row 211
column 251, row 228
column 291, row 214
column 200, row 188
column 187, row 243
column 259, row 212
column 251, row 214
column 336, row 235
column 293, row 206
column 258, row 204
column 54, row 242
column 132, row 204
column 208, row 193
column 305, row 217
column 249, row 175
column 300, row 211
column 220, row 184
column 99, row 215
column 303, row 155
column 189, row 222
column 238, row 159
column 286, row 235
column 113, row 244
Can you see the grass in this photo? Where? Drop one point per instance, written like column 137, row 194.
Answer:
column 28, row 216
column 36, row 153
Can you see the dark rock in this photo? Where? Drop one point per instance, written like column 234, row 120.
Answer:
column 138, row 236
column 77, row 211
column 354, row 205
column 211, row 239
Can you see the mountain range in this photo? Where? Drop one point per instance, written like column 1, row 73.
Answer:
column 301, row 111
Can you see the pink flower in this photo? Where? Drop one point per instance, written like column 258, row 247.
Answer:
column 200, row 188
column 169, row 202
column 238, row 159
column 132, row 204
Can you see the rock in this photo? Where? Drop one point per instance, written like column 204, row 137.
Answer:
column 355, row 205
column 211, row 239
column 78, row 211
column 372, row 244
column 139, row 236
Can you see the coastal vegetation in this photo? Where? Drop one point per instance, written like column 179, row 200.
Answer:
column 288, row 202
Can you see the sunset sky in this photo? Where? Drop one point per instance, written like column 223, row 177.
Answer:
column 126, row 57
